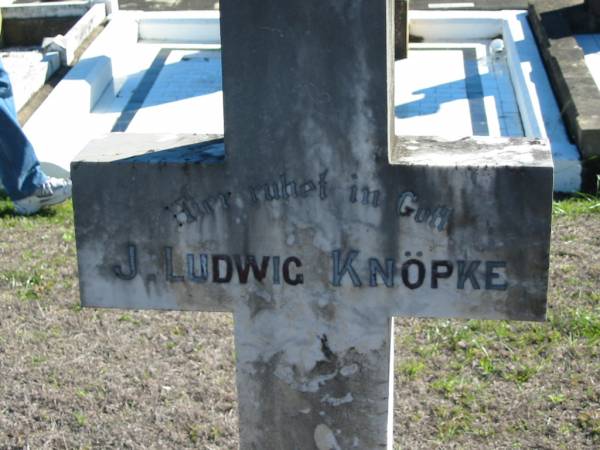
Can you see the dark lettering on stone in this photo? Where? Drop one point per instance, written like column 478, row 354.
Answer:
column 323, row 185
column 271, row 192
column 405, row 271
column 132, row 265
column 249, row 263
column 276, row 264
column 285, row 185
column 185, row 210
column 207, row 206
column 193, row 276
column 387, row 274
column 422, row 214
column 353, row 194
column 440, row 217
column 491, row 275
column 341, row 269
column 225, row 199
column 370, row 197
column 169, row 271
column 218, row 277
column 404, row 210
column 253, row 193
column 440, row 270
column 467, row 271
column 299, row 278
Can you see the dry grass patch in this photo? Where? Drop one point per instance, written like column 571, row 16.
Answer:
column 74, row 378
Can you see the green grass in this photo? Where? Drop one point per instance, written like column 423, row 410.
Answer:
column 462, row 374
column 80, row 418
column 578, row 324
column 58, row 215
column 576, row 204
column 411, row 368
column 28, row 285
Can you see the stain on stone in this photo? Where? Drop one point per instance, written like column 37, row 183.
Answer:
column 325, row 439
column 259, row 302
column 325, row 348
column 325, row 310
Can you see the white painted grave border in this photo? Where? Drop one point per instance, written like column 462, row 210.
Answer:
column 538, row 107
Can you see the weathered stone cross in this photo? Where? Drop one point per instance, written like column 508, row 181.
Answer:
column 317, row 225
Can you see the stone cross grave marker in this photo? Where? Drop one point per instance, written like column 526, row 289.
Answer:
column 313, row 223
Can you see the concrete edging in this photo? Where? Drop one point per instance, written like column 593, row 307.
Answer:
column 181, row 27
column 45, row 10
column 539, row 110
column 85, row 83
column 97, row 70
column 573, row 83
column 68, row 44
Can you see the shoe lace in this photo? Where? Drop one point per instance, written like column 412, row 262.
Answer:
column 45, row 190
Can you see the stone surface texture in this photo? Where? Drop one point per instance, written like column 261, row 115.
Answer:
column 464, row 173
column 312, row 222
column 310, row 353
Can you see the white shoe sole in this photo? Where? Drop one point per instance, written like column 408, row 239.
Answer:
column 33, row 204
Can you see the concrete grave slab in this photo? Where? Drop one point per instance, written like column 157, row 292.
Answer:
column 537, row 108
column 29, row 69
column 113, row 68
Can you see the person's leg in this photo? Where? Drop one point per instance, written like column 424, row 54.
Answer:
column 20, row 170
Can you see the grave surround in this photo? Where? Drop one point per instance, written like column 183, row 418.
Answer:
column 555, row 24
column 313, row 223
column 108, row 72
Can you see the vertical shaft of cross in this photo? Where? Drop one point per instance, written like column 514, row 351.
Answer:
column 303, row 78
column 307, row 88
column 313, row 390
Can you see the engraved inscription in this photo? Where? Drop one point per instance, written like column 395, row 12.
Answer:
column 132, row 262
column 284, row 188
column 436, row 217
column 414, row 272
column 348, row 269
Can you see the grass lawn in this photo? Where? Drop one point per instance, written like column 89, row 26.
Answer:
column 74, row 378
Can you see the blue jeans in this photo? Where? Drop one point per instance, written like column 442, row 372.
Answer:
column 20, row 170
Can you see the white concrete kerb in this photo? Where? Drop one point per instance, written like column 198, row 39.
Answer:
column 68, row 44
column 101, row 67
column 181, row 27
column 539, row 110
column 45, row 10
column 105, row 65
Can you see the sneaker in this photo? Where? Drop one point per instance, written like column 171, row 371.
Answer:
column 52, row 192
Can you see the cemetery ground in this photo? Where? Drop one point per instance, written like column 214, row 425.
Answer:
column 75, row 378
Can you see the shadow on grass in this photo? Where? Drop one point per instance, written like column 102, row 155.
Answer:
column 7, row 210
